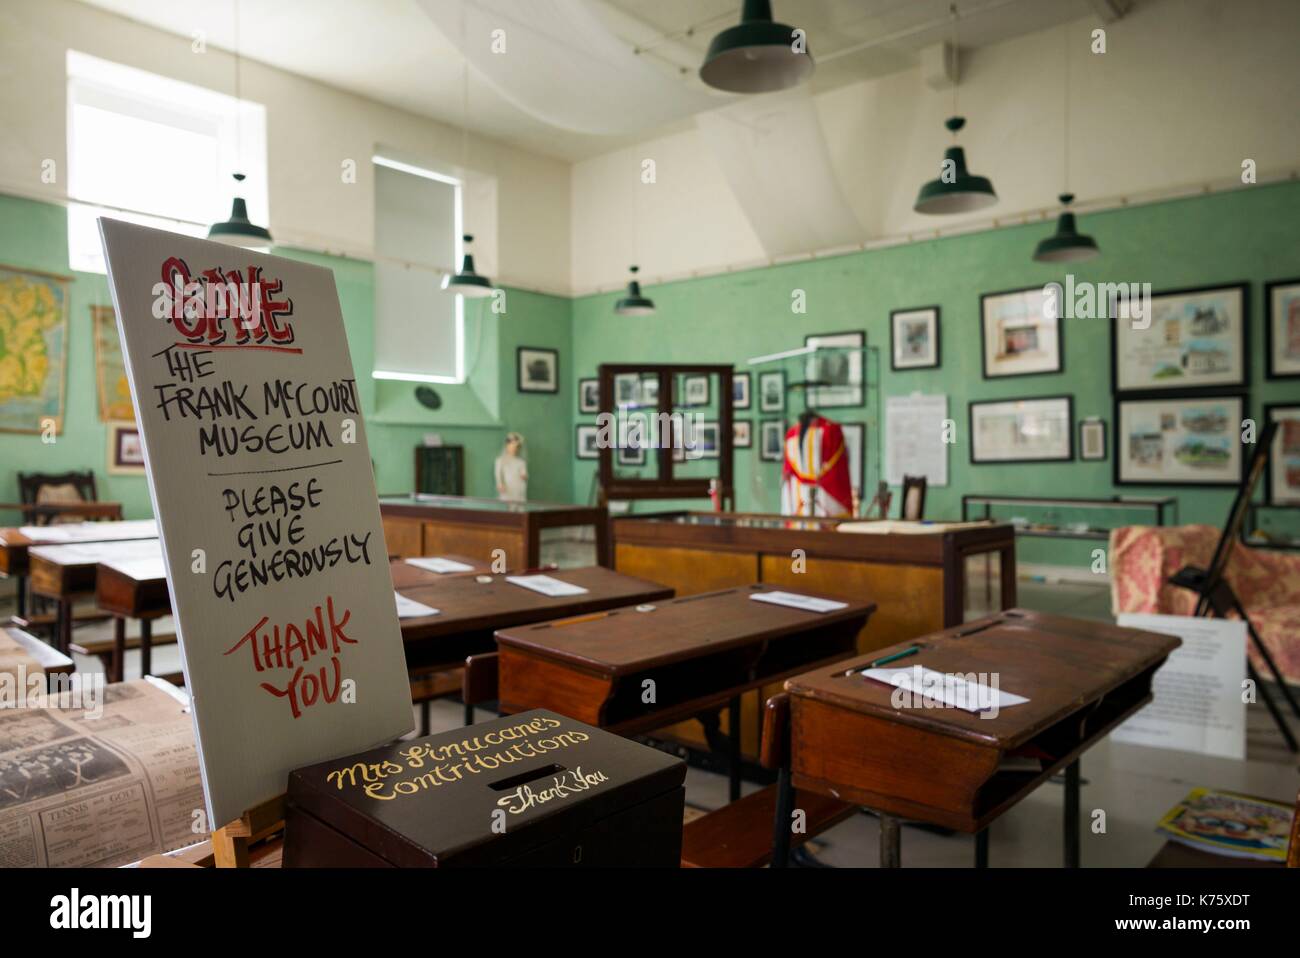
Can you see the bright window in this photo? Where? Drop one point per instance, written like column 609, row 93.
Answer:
column 148, row 149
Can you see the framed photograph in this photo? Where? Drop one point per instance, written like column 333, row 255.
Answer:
column 586, row 445
column 1092, row 439
column 914, row 338
column 33, row 349
column 1179, row 440
column 1196, row 338
column 649, row 391
column 707, row 440
column 1040, row 429
column 1019, row 337
column 1282, row 328
column 589, row 395
column 742, row 434
column 771, row 439
column 539, row 370
column 740, row 391
column 837, row 369
column 695, row 391
column 1284, row 464
column 631, row 455
column 855, row 440
column 627, row 389
column 125, row 454
column 771, row 391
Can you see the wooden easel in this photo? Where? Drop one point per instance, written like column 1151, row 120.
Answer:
column 231, row 843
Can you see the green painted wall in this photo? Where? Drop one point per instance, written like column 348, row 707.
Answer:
column 1248, row 235
column 476, row 415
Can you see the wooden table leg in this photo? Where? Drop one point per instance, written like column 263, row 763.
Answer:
column 146, row 647
column 469, row 713
column 890, row 853
column 781, row 820
column 982, row 848
column 64, row 631
column 119, row 649
column 733, row 748
column 602, row 544
column 1072, row 815
column 21, row 597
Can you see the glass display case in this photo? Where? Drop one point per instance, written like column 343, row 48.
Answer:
column 1071, row 518
column 1270, row 526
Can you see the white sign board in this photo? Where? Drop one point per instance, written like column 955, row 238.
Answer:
column 265, row 499
column 914, row 439
column 1198, row 705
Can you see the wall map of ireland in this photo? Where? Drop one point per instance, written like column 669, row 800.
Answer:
column 33, row 349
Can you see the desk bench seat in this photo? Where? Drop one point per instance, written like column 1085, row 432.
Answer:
column 739, row 835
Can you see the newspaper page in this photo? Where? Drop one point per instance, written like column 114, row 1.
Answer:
column 99, row 786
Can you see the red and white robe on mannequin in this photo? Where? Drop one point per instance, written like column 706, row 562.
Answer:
column 815, row 476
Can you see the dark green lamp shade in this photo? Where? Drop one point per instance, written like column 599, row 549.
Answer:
column 238, row 231
column 634, row 304
column 467, row 282
column 965, row 192
column 1067, row 244
column 755, row 56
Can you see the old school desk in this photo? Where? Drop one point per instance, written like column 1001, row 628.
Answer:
column 695, row 655
column 920, row 582
column 421, row 525
column 18, row 648
column 942, row 765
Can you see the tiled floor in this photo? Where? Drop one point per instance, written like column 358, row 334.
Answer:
column 1133, row 786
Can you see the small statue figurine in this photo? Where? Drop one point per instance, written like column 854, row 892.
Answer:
column 512, row 470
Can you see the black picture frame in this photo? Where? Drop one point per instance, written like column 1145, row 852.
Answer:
column 1105, row 440
column 763, row 426
column 583, row 405
column 748, row 425
column 736, row 382
column 630, row 456
column 1269, row 342
column 717, row 433
column 554, row 355
column 858, row 390
column 1194, row 396
column 1060, row 339
column 778, row 375
column 1067, row 398
column 1269, row 491
column 1180, row 388
column 577, row 439
column 938, row 339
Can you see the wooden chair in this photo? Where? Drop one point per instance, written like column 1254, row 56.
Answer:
column 63, row 489
column 912, row 502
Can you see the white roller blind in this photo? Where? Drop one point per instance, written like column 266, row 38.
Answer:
column 417, row 323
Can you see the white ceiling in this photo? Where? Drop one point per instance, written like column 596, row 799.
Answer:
column 391, row 51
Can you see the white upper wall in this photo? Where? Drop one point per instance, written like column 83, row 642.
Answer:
column 522, row 226
column 1186, row 90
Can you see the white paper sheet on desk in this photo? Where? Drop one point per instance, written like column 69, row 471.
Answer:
column 439, row 565
column 795, row 601
column 948, row 688
column 410, row 609
column 546, row 585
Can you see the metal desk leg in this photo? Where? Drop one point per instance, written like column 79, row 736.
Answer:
column 733, row 746
column 982, row 848
column 781, row 820
column 1072, row 815
column 889, row 842
column 146, row 647
column 119, row 649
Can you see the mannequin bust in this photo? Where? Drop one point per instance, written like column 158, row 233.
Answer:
column 511, row 470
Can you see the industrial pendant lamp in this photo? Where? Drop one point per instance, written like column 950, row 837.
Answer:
column 956, row 190
column 757, row 55
column 1067, row 244
column 634, row 304
column 467, row 282
column 237, row 230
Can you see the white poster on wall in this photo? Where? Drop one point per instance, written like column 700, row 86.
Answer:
column 1198, row 705
column 914, row 438
column 261, row 482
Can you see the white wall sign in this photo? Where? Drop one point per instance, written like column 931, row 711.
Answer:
column 914, row 438
column 1198, row 704
column 261, row 482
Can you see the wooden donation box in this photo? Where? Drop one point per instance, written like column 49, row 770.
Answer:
column 533, row 789
column 904, row 753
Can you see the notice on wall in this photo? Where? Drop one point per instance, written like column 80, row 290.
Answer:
column 1198, row 704
column 265, row 499
column 914, row 439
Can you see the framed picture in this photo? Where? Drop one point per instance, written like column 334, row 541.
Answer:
column 589, row 395
column 586, row 445
column 695, row 391
column 1092, row 439
column 1284, row 464
column 771, row 439
column 33, row 349
column 110, row 368
column 707, row 440
column 649, row 391
column 627, row 389
column 125, row 454
column 742, row 434
column 914, row 338
column 1179, row 440
column 837, row 370
column 631, row 455
column 539, row 370
column 1022, row 430
column 740, row 391
column 1020, row 339
column 1195, row 338
column 855, row 439
column 771, row 391
column 1282, row 328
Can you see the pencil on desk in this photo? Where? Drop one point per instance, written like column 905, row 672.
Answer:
column 897, row 655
